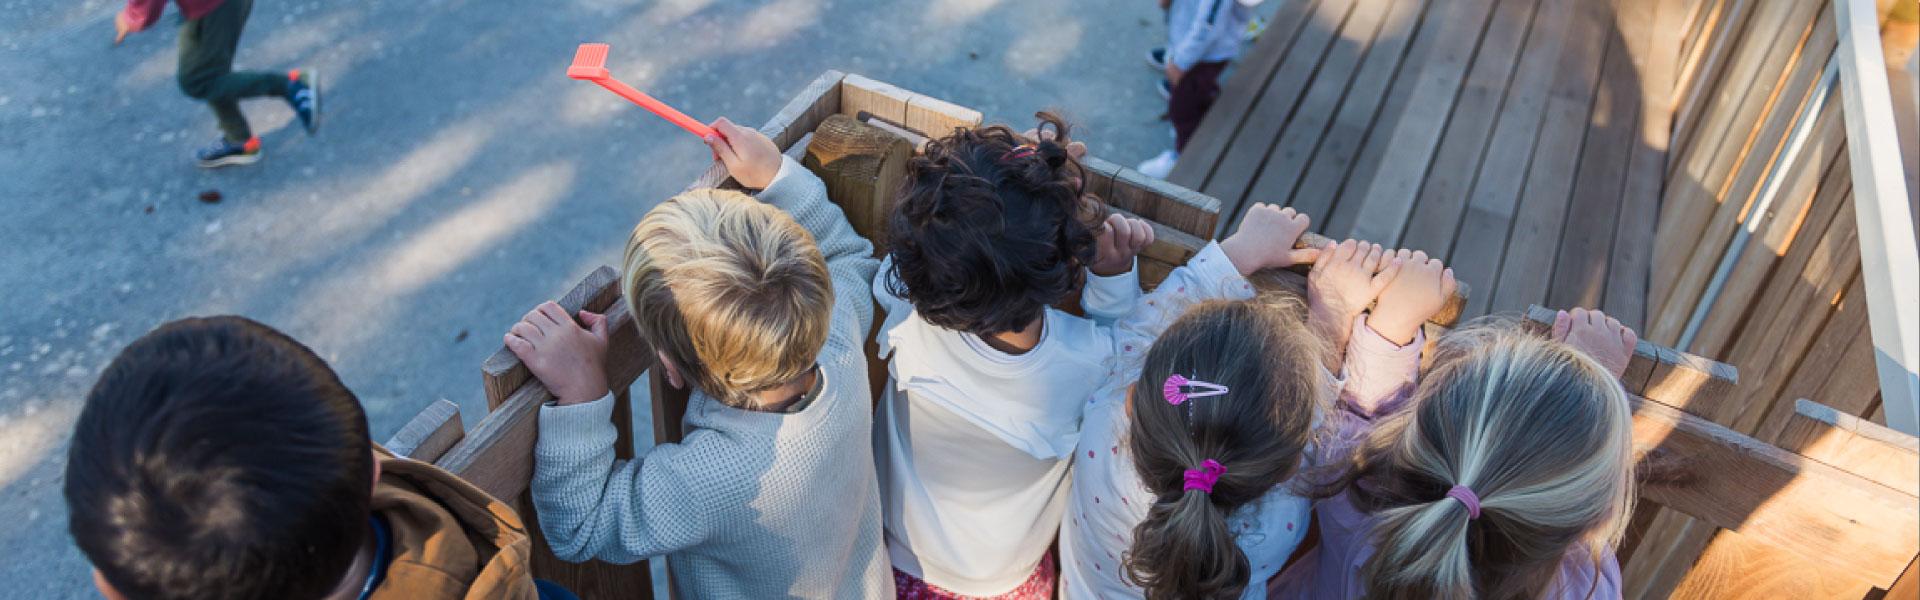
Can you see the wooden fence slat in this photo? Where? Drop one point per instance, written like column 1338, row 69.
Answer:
column 1853, row 444
column 428, row 434
column 1797, row 305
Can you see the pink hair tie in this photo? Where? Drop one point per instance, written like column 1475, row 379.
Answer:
column 1204, row 477
column 1465, row 496
column 1020, row 151
column 1176, row 393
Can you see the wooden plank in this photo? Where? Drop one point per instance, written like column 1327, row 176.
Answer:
column 1774, row 231
column 858, row 95
column 801, row 114
column 1824, row 358
column 428, row 434
column 1539, row 222
column 1664, row 554
column 1099, row 179
column 1908, row 586
column 1697, row 182
column 1697, row 385
column 1889, row 253
column 1580, row 267
column 1692, row 38
column 1442, row 198
column 1430, row 52
column 1300, row 140
column 1769, row 142
column 1165, row 203
column 1238, row 94
column 1808, row 285
column 1630, row 263
column 1853, row 444
column 1702, row 76
column 1241, row 161
column 503, row 373
column 939, row 118
column 1502, row 173
column 1738, row 566
column 1832, row 518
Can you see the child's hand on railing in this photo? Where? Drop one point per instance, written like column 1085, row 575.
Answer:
column 563, row 355
column 1417, row 292
column 1345, row 279
column 1600, row 336
column 1120, row 240
column 1265, row 240
column 750, row 156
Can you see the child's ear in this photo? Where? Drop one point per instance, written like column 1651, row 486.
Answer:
column 106, row 589
column 672, row 370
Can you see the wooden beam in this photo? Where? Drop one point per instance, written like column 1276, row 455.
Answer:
column 1888, row 254
column 503, row 373
column 1825, row 515
column 428, row 434
column 1854, row 445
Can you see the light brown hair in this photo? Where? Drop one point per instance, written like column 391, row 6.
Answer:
column 1264, row 354
column 733, row 291
column 1543, row 436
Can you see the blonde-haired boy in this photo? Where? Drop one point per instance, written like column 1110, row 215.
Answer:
column 762, row 306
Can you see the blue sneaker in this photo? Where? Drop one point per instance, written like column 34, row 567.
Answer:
column 1157, row 58
column 303, row 94
column 224, row 153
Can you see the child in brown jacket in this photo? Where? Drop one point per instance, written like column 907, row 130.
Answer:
column 219, row 458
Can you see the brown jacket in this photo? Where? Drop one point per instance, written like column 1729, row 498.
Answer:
column 450, row 541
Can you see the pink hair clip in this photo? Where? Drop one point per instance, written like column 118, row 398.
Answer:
column 1175, row 389
column 1020, row 151
column 1204, row 477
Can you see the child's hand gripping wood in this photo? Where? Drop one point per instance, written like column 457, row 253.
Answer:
column 750, row 156
column 1266, row 240
column 1598, row 335
column 1120, row 240
column 567, row 357
column 1417, row 292
column 1345, row 280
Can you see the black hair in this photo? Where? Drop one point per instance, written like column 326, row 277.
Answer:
column 217, row 458
column 989, row 232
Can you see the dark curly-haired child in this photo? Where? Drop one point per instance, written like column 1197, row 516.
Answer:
column 977, row 427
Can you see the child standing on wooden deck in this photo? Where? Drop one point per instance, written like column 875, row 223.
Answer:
column 1181, row 484
column 1506, row 473
column 762, row 305
column 1202, row 36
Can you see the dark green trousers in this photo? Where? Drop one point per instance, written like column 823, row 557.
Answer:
column 206, row 73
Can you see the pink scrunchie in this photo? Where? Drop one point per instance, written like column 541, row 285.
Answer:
column 1466, row 496
column 1204, row 477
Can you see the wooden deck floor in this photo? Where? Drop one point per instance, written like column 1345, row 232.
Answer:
column 1522, row 140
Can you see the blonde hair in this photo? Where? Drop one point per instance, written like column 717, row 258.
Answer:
column 1267, row 358
column 1541, row 433
column 733, row 291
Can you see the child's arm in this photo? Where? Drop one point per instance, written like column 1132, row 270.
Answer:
column 1113, row 284
column 755, row 162
column 1345, row 279
column 1265, row 240
column 592, row 506
column 1383, row 360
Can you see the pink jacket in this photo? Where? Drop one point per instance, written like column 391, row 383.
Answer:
column 1380, row 381
column 143, row 13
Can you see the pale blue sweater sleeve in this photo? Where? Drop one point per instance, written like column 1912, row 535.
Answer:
column 592, row 505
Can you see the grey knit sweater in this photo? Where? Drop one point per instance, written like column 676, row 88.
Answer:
column 749, row 504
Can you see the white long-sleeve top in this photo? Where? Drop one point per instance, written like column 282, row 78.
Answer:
column 1204, row 31
column 972, row 443
column 749, row 504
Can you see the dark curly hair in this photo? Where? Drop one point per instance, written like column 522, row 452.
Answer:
column 988, row 233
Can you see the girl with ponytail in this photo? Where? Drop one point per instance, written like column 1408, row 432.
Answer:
column 1506, row 474
column 1181, row 483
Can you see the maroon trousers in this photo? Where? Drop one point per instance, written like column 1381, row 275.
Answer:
column 1191, row 98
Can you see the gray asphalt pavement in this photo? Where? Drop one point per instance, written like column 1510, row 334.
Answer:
column 459, row 177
